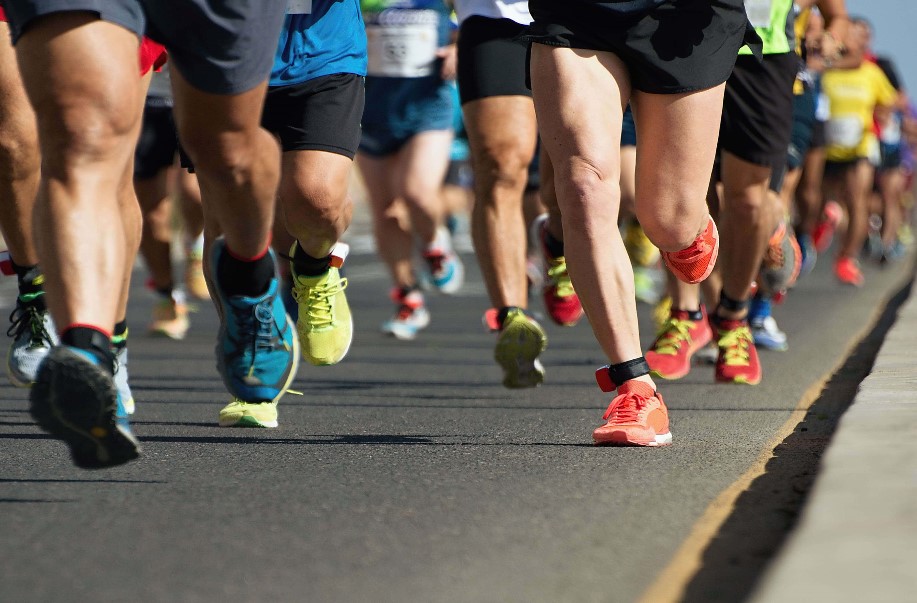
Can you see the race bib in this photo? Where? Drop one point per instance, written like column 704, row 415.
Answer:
column 299, row 7
column 844, row 131
column 759, row 12
column 407, row 50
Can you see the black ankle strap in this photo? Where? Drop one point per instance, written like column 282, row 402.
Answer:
column 733, row 305
column 610, row 377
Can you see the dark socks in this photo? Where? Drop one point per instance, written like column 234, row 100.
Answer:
column 306, row 265
column 695, row 314
column 30, row 284
column 249, row 278
column 119, row 336
column 92, row 340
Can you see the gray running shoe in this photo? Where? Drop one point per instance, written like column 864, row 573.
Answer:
column 33, row 336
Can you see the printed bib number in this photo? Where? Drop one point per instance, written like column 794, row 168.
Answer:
column 759, row 12
column 299, row 7
column 401, row 50
column 844, row 131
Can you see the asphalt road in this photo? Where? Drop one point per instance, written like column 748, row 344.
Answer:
column 408, row 473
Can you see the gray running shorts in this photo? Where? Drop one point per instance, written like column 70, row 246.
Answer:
column 220, row 46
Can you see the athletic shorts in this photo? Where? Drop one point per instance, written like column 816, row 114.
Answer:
column 803, row 127
column 758, row 109
column 397, row 109
column 838, row 168
column 220, row 46
column 322, row 114
column 669, row 46
column 490, row 62
column 890, row 156
column 628, row 129
column 157, row 144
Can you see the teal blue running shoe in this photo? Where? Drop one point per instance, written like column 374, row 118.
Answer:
column 76, row 400
column 257, row 348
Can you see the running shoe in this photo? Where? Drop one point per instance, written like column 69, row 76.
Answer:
column 823, row 234
column 695, row 263
column 560, row 300
column 446, row 268
column 766, row 334
column 257, row 349
column 170, row 317
column 645, row 289
column 640, row 249
column 239, row 413
column 120, row 378
column 676, row 342
column 782, row 261
column 807, row 252
column 195, row 281
column 637, row 416
column 410, row 317
column 847, row 270
column 520, row 341
column 661, row 311
column 737, row 361
column 76, row 400
column 325, row 325
column 33, row 336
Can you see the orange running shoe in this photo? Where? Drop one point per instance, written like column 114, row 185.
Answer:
column 737, row 361
column 636, row 417
column 560, row 300
column 695, row 263
column 676, row 342
column 848, row 272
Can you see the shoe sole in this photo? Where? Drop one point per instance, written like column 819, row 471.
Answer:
column 664, row 439
column 249, row 422
column 517, row 353
column 740, row 380
column 76, row 402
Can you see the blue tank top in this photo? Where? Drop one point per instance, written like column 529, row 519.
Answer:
column 319, row 37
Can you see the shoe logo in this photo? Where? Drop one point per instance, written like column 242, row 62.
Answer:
column 264, row 313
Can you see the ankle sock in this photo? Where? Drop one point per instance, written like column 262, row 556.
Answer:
column 247, row 277
column 306, row 265
column 554, row 246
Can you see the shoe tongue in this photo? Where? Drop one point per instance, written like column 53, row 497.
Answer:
column 636, row 387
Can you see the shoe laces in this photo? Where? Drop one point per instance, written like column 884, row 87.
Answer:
column 625, row 408
column 319, row 300
column 735, row 344
column 560, row 278
column 26, row 317
column 256, row 323
column 671, row 335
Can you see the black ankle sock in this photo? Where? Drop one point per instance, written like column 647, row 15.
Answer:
column 165, row 291
column 555, row 247
column 94, row 341
column 119, row 336
column 501, row 315
column 244, row 277
column 306, row 265
column 695, row 314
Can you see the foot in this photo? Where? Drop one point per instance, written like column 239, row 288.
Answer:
column 170, row 317
column 560, row 300
column 446, row 268
column 737, row 361
column 76, row 400
column 325, row 325
column 637, row 416
column 847, row 270
column 239, row 413
column 33, row 336
column 257, row 349
column 677, row 341
column 520, row 341
column 411, row 315
column 695, row 263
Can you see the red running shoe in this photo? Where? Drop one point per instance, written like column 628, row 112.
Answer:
column 737, row 361
column 824, row 230
column 676, row 342
column 694, row 264
column 847, row 270
column 560, row 300
column 636, row 417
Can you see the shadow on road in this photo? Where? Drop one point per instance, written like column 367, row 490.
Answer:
column 765, row 513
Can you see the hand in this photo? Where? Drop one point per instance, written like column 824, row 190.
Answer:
column 449, row 57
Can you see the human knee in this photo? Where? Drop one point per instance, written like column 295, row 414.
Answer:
column 19, row 155
column 501, row 164
column 227, row 156
column 668, row 232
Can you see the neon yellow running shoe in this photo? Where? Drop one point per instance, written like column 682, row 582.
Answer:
column 325, row 325
column 640, row 249
column 519, row 343
column 239, row 413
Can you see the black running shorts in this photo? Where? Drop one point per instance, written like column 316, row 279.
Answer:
column 490, row 63
column 669, row 46
column 157, row 144
column 317, row 115
column 219, row 46
column 758, row 108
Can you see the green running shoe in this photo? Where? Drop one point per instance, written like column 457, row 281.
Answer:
column 239, row 413
column 325, row 325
